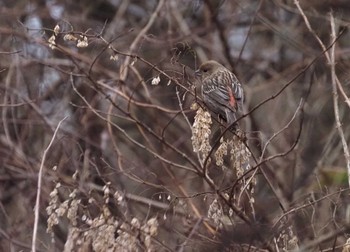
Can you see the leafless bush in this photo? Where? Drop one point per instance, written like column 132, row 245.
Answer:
column 105, row 136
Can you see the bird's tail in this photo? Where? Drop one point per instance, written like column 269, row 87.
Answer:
column 231, row 119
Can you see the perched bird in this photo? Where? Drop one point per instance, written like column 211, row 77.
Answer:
column 221, row 91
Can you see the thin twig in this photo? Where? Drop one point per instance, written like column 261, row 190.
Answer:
column 314, row 202
column 281, row 130
column 181, row 107
column 195, row 227
column 131, row 139
column 14, row 52
column 329, row 60
column 125, row 66
column 335, row 100
column 37, row 202
column 221, row 30
column 249, row 31
column 316, row 242
column 14, row 241
column 335, row 82
column 308, row 25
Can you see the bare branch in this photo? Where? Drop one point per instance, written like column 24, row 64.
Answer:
column 38, row 193
column 125, row 66
column 335, row 99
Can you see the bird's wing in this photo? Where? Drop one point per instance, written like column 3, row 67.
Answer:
column 237, row 88
column 224, row 88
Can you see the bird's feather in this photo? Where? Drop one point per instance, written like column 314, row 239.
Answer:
column 224, row 88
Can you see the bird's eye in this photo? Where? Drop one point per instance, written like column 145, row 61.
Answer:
column 205, row 70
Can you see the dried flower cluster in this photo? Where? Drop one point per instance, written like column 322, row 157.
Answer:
column 346, row 247
column 201, row 133
column 215, row 213
column 239, row 155
column 156, row 80
column 221, row 214
column 287, row 240
column 104, row 232
column 238, row 152
column 52, row 39
column 221, row 152
column 81, row 41
column 239, row 161
column 56, row 210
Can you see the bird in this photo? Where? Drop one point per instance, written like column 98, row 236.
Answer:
column 221, row 91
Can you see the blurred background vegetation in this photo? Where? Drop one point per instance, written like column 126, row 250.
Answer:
column 122, row 174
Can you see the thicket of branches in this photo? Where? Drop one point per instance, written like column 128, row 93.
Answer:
column 106, row 145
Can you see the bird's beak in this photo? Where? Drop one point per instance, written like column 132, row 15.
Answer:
column 197, row 73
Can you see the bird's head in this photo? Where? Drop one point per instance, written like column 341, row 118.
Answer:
column 208, row 68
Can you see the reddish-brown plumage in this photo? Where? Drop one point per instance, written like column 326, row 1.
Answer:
column 221, row 91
